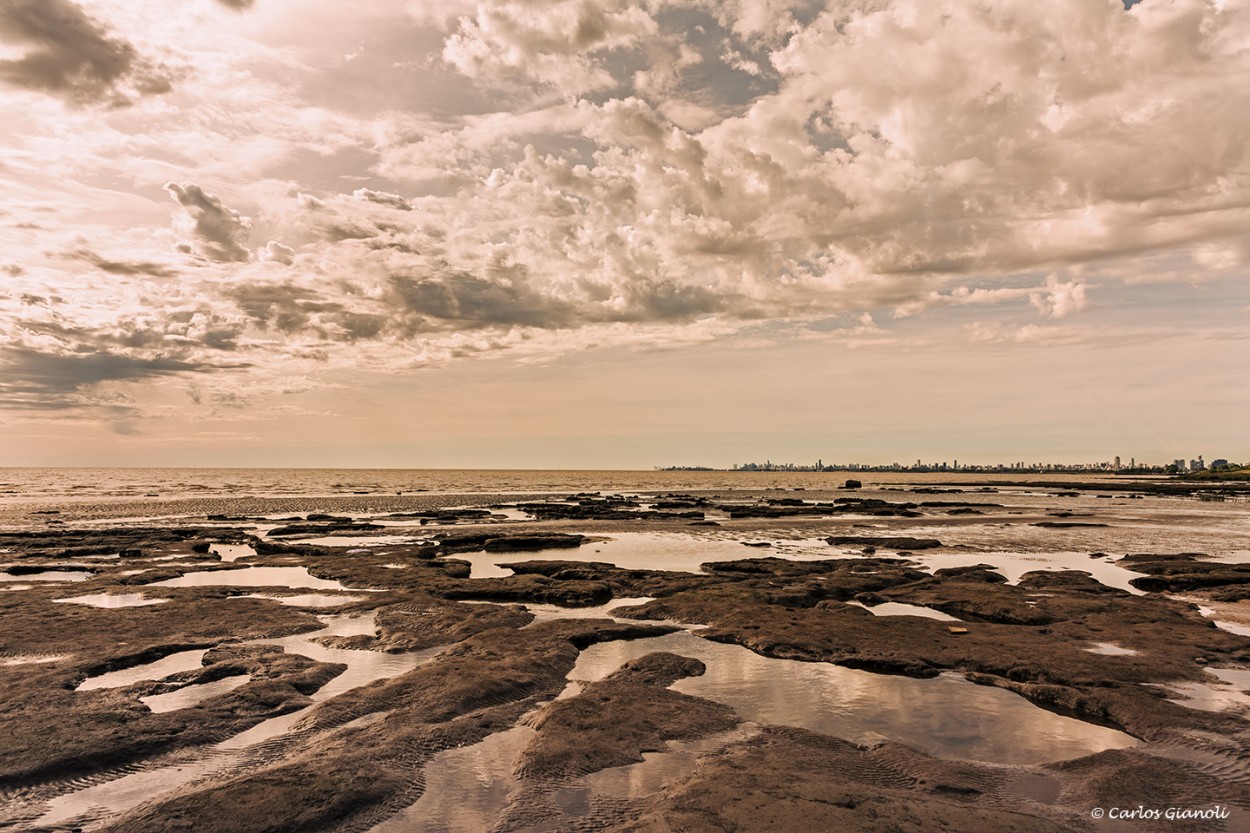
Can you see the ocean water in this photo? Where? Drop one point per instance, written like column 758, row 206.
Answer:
column 39, row 484
column 48, row 498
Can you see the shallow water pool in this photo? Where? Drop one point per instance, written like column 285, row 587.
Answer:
column 946, row 716
column 112, row 600
column 252, row 577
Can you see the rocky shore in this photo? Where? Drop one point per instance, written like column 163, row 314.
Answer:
column 311, row 685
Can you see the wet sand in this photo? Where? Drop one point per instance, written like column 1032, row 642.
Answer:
column 874, row 659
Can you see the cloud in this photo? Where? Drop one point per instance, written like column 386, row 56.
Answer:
column 31, row 379
column 382, row 198
column 530, row 177
column 220, row 232
column 73, row 57
column 474, row 302
column 554, row 43
column 1059, row 300
column 123, row 267
column 238, row 5
column 275, row 252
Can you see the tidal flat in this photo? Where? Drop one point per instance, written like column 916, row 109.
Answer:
column 907, row 656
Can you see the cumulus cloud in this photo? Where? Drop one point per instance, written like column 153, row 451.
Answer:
column 74, row 57
column 1059, row 299
column 551, row 42
column 275, row 252
column 597, row 169
column 219, row 232
column 906, row 144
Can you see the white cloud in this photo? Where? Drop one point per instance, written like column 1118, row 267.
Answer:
column 1059, row 300
column 602, row 169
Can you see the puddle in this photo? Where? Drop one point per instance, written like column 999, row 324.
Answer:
column 672, row 552
column 1222, row 623
column 92, row 806
column 1013, row 565
column 232, row 552
column 363, row 667
column 191, row 695
column 947, row 716
column 356, row 540
column 679, row 552
column 1111, row 649
column 466, row 789
column 308, row 599
column 158, row 670
column 110, row 600
column 901, row 609
column 48, row 575
column 544, row 612
column 252, row 577
column 1227, row 691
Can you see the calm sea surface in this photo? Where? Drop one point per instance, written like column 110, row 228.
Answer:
column 40, row 484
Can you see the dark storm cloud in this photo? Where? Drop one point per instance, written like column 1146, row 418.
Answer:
column 220, row 232
column 238, row 5
column 72, row 56
column 32, row 379
column 123, row 267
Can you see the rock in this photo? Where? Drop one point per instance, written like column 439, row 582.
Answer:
column 612, row 722
column 330, row 528
column 900, row 543
column 522, row 543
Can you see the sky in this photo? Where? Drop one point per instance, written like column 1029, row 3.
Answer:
column 603, row 234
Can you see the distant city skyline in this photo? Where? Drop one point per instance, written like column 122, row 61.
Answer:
column 601, row 234
column 1114, row 465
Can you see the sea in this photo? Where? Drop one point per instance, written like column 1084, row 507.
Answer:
column 18, row 484
column 87, row 493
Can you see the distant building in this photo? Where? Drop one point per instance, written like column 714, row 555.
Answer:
column 1219, row 463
